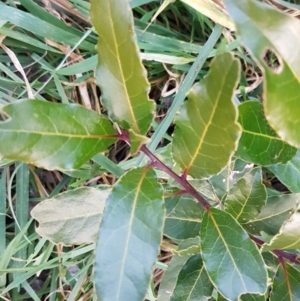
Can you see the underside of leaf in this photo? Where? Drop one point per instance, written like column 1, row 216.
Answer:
column 276, row 35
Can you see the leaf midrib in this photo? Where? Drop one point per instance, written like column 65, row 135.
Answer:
column 194, row 157
column 262, row 135
column 82, row 136
column 136, row 127
column 228, row 251
column 137, row 191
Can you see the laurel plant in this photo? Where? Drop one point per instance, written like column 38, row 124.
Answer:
column 237, row 239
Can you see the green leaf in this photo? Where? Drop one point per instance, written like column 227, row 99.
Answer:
column 259, row 143
column 224, row 181
column 278, row 33
column 183, row 218
column 289, row 173
column 251, row 297
column 72, row 217
column 288, row 236
column 286, row 285
column 170, row 277
column 193, row 283
column 120, row 73
column 205, row 189
column 246, row 197
column 206, row 130
column 221, row 298
column 136, row 141
column 129, row 237
column 230, row 256
column 272, row 216
column 53, row 136
column 212, row 10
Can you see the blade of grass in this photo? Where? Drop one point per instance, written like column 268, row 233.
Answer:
column 12, row 247
column 82, row 274
column 30, row 291
column 65, row 180
column 45, row 264
column 26, row 39
column 44, row 15
column 22, row 198
column 135, row 3
column 2, row 221
column 11, row 74
column 40, row 27
column 54, row 284
column 22, row 206
column 109, row 165
column 60, row 90
column 79, row 42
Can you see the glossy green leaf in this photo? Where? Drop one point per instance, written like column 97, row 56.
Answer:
column 206, row 130
column 251, row 297
column 288, row 236
column 205, row 189
column 259, row 143
column 246, row 297
column 232, row 261
column 170, row 277
column 289, row 173
column 183, row 218
column 278, row 33
column 120, row 73
column 72, row 217
column 53, row 136
column 129, row 237
column 212, row 10
column 193, row 283
column 271, row 261
column 272, row 215
column 246, row 197
column 286, row 284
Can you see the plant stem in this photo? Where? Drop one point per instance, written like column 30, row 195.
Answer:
column 192, row 191
column 181, row 180
column 280, row 254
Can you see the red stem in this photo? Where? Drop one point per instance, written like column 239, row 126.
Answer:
column 181, row 180
column 293, row 258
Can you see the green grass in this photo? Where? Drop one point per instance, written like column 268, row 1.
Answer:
column 50, row 53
